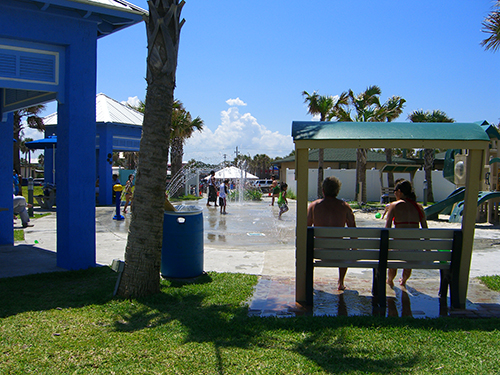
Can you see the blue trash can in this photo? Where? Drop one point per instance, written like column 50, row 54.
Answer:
column 182, row 247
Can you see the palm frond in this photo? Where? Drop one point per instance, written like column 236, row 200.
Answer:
column 491, row 26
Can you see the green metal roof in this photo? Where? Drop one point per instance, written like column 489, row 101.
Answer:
column 317, row 130
column 491, row 131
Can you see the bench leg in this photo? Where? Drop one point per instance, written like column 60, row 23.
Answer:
column 445, row 279
column 378, row 291
column 309, row 287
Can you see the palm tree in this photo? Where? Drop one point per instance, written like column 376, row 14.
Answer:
column 367, row 108
column 33, row 121
column 183, row 127
column 141, row 275
column 322, row 106
column 491, row 25
column 391, row 110
column 434, row 116
column 262, row 164
column 245, row 163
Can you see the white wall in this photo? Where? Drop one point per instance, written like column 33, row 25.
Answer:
column 440, row 186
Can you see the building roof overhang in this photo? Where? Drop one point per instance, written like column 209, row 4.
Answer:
column 317, row 134
column 111, row 15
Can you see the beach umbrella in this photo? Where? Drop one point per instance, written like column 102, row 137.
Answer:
column 44, row 144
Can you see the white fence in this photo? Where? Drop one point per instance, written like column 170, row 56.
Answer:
column 440, row 186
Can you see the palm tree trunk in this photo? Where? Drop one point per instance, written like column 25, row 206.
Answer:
column 321, row 157
column 361, row 172
column 388, row 160
column 428, row 165
column 141, row 275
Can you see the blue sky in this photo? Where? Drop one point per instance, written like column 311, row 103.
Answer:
column 244, row 64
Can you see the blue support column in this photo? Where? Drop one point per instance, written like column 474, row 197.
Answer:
column 6, row 155
column 75, row 157
column 104, row 165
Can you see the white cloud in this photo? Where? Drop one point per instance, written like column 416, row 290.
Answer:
column 236, row 130
column 132, row 101
column 235, row 102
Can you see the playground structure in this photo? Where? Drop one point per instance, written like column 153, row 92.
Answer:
column 488, row 199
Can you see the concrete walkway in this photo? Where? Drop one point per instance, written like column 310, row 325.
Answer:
column 250, row 239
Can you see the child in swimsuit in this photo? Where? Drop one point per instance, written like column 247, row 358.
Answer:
column 282, row 202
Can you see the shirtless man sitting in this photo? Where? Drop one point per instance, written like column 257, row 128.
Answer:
column 331, row 212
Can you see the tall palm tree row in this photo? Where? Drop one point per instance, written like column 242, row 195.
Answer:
column 141, row 275
column 320, row 105
column 366, row 107
column 349, row 107
column 434, row 116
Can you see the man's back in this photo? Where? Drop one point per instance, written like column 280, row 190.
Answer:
column 330, row 212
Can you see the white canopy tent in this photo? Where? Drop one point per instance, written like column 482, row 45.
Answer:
column 233, row 173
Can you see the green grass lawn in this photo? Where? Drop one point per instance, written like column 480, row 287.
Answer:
column 62, row 323
column 492, row 282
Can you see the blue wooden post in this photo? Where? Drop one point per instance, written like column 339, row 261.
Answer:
column 75, row 157
column 6, row 155
column 104, row 166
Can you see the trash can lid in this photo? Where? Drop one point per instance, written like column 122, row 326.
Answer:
column 182, row 209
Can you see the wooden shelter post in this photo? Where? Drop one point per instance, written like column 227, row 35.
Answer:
column 473, row 178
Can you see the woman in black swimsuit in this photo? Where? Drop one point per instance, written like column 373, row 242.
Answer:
column 405, row 213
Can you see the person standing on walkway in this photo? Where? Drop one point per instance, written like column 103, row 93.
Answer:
column 128, row 192
column 331, row 212
column 15, row 182
column 405, row 213
column 223, row 196
column 212, row 191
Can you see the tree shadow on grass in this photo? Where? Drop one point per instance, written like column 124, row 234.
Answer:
column 210, row 310
column 47, row 291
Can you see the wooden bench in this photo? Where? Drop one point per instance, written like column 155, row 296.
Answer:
column 369, row 248
column 47, row 201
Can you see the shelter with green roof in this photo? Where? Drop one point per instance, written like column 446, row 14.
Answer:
column 309, row 135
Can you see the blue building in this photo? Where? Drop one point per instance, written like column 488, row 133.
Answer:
column 118, row 129
column 48, row 51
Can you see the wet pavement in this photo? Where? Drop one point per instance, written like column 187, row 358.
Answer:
column 250, row 239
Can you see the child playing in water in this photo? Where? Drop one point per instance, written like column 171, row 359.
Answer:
column 282, row 202
column 223, row 189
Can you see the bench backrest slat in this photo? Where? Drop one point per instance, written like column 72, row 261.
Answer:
column 420, row 233
column 425, row 256
column 346, row 232
column 346, row 254
column 421, row 244
column 347, row 243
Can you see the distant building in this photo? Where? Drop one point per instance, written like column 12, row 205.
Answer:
column 342, row 158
